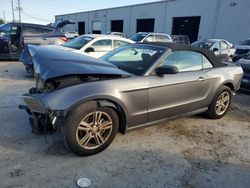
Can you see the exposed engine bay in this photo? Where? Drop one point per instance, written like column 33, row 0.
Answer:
column 68, row 80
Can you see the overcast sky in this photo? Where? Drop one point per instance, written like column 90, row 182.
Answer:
column 44, row 11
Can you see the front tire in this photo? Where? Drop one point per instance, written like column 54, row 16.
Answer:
column 220, row 104
column 90, row 129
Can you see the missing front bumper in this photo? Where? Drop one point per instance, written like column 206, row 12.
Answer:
column 42, row 120
column 40, row 123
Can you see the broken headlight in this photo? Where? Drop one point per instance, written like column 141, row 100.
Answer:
column 34, row 104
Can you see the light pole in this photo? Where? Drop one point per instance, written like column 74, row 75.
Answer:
column 12, row 7
column 19, row 9
column 4, row 16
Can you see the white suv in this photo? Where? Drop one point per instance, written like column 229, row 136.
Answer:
column 151, row 37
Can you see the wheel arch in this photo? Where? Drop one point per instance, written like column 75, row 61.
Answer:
column 230, row 85
column 115, row 104
column 118, row 109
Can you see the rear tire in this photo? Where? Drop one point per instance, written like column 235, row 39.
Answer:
column 220, row 104
column 90, row 129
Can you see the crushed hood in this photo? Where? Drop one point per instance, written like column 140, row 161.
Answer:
column 51, row 63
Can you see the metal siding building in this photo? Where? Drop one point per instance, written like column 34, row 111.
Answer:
column 202, row 19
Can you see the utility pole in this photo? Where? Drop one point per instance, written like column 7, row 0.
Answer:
column 4, row 16
column 19, row 9
column 13, row 15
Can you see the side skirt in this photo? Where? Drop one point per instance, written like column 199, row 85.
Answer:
column 167, row 119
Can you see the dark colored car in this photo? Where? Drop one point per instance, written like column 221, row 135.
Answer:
column 245, row 64
column 221, row 48
column 132, row 86
column 181, row 39
column 15, row 36
column 242, row 50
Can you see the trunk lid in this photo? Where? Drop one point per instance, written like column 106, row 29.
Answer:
column 61, row 23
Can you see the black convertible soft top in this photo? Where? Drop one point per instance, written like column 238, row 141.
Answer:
column 180, row 47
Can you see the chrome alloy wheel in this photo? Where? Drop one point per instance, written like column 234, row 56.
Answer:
column 94, row 130
column 222, row 103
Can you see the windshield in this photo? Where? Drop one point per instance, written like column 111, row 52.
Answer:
column 138, row 37
column 5, row 29
column 78, row 42
column 202, row 44
column 246, row 42
column 135, row 59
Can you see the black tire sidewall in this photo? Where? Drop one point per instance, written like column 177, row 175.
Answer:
column 72, row 122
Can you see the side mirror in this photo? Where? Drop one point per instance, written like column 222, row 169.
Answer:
column 215, row 49
column 166, row 69
column 89, row 49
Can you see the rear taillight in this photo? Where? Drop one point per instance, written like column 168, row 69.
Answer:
column 64, row 39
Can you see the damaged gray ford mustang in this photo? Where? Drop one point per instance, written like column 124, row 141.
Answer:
column 135, row 85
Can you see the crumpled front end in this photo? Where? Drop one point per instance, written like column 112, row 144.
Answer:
column 57, row 74
column 42, row 119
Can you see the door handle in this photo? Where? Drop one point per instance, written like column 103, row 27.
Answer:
column 44, row 39
column 201, row 79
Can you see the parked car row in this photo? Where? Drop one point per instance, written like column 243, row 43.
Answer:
column 98, row 45
column 92, row 45
column 227, row 52
column 155, row 37
column 221, row 48
column 15, row 36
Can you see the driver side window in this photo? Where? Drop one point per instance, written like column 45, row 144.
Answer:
column 150, row 38
column 185, row 61
column 102, row 45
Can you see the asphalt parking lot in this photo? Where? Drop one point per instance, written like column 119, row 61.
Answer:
column 188, row 152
